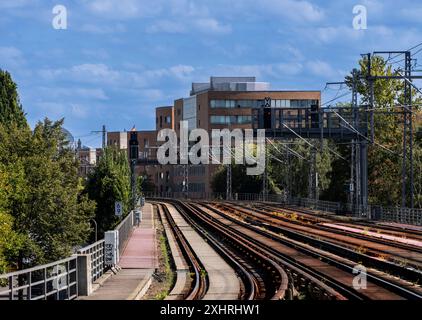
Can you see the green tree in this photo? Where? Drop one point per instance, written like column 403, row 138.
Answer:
column 43, row 193
column 109, row 182
column 10, row 107
column 10, row 241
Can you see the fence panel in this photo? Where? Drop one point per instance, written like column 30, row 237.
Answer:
column 96, row 251
column 53, row 281
column 125, row 229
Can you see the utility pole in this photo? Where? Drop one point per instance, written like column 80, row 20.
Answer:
column 229, row 182
column 103, row 131
column 356, row 144
column 229, row 192
column 104, row 136
column 265, row 175
column 311, row 189
column 288, row 184
column 408, row 122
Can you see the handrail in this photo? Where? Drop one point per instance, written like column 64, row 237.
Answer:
column 57, row 280
column 51, row 264
column 85, row 249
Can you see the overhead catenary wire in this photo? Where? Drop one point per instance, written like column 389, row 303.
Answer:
column 289, row 149
column 310, row 144
column 360, row 134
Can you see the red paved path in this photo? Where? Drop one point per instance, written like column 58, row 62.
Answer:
column 140, row 251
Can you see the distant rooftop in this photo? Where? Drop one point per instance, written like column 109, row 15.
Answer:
column 229, row 84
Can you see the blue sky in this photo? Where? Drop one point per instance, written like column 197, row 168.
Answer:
column 119, row 59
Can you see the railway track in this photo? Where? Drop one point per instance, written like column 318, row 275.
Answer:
column 261, row 277
column 366, row 247
column 271, row 266
column 199, row 283
column 317, row 288
column 313, row 215
column 331, row 267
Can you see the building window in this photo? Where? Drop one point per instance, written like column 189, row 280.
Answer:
column 236, row 103
column 178, row 112
column 244, row 119
column 223, row 103
column 231, row 119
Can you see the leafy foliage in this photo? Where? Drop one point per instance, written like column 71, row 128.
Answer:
column 43, row 193
column 10, row 107
column 42, row 212
column 109, row 182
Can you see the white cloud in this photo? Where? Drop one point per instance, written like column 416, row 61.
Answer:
column 152, row 94
column 8, row 4
column 103, row 29
column 11, row 57
column 166, row 26
column 123, row 9
column 202, row 25
column 84, row 72
column 299, row 11
column 60, row 110
column 212, row 26
column 322, row 69
column 263, row 71
column 413, row 12
column 331, row 34
column 101, row 73
column 84, row 93
column 78, row 111
column 97, row 53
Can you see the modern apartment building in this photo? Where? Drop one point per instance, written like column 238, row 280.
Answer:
column 223, row 102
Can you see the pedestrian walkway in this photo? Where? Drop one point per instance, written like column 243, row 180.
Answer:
column 140, row 251
column 137, row 263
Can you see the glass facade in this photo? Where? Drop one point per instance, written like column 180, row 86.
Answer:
column 231, row 119
column 236, row 103
column 275, row 103
column 189, row 112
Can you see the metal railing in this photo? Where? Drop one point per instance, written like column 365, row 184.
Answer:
column 53, row 281
column 398, row 214
column 325, row 206
column 125, row 229
column 96, row 252
column 59, row 280
column 216, row 196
